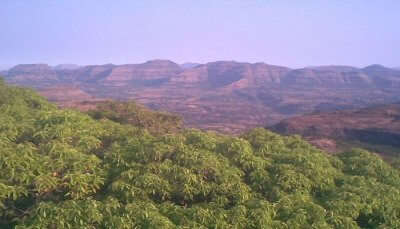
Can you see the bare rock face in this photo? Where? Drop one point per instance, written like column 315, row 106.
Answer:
column 195, row 76
column 31, row 73
column 231, row 74
column 328, row 76
column 212, row 75
column 92, row 73
column 42, row 75
column 151, row 70
column 221, row 74
column 382, row 76
column 268, row 74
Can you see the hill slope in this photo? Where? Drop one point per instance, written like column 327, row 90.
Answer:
column 376, row 128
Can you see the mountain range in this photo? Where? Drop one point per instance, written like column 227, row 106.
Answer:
column 227, row 96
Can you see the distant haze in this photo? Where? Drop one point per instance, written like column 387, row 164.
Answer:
column 282, row 32
column 5, row 67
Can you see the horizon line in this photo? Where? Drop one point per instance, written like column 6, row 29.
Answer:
column 6, row 67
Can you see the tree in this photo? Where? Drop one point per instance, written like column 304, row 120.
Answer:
column 66, row 169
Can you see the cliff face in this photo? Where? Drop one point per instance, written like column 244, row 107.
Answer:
column 151, row 70
column 220, row 74
column 328, row 77
column 31, row 73
column 231, row 74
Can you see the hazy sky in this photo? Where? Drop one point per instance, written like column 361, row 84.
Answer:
column 291, row 33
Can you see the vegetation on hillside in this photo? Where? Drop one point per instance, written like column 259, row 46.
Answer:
column 65, row 169
column 157, row 123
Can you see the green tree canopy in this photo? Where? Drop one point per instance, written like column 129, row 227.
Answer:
column 66, row 169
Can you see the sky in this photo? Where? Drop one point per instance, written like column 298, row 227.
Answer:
column 281, row 32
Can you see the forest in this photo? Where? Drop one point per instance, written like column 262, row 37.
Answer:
column 123, row 166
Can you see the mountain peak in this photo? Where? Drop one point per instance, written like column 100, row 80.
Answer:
column 375, row 67
column 158, row 62
column 225, row 62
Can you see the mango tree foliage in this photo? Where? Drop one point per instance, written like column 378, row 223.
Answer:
column 64, row 169
column 129, row 112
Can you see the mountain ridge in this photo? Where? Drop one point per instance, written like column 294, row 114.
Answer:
column 158, row 69
column 227, row 96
